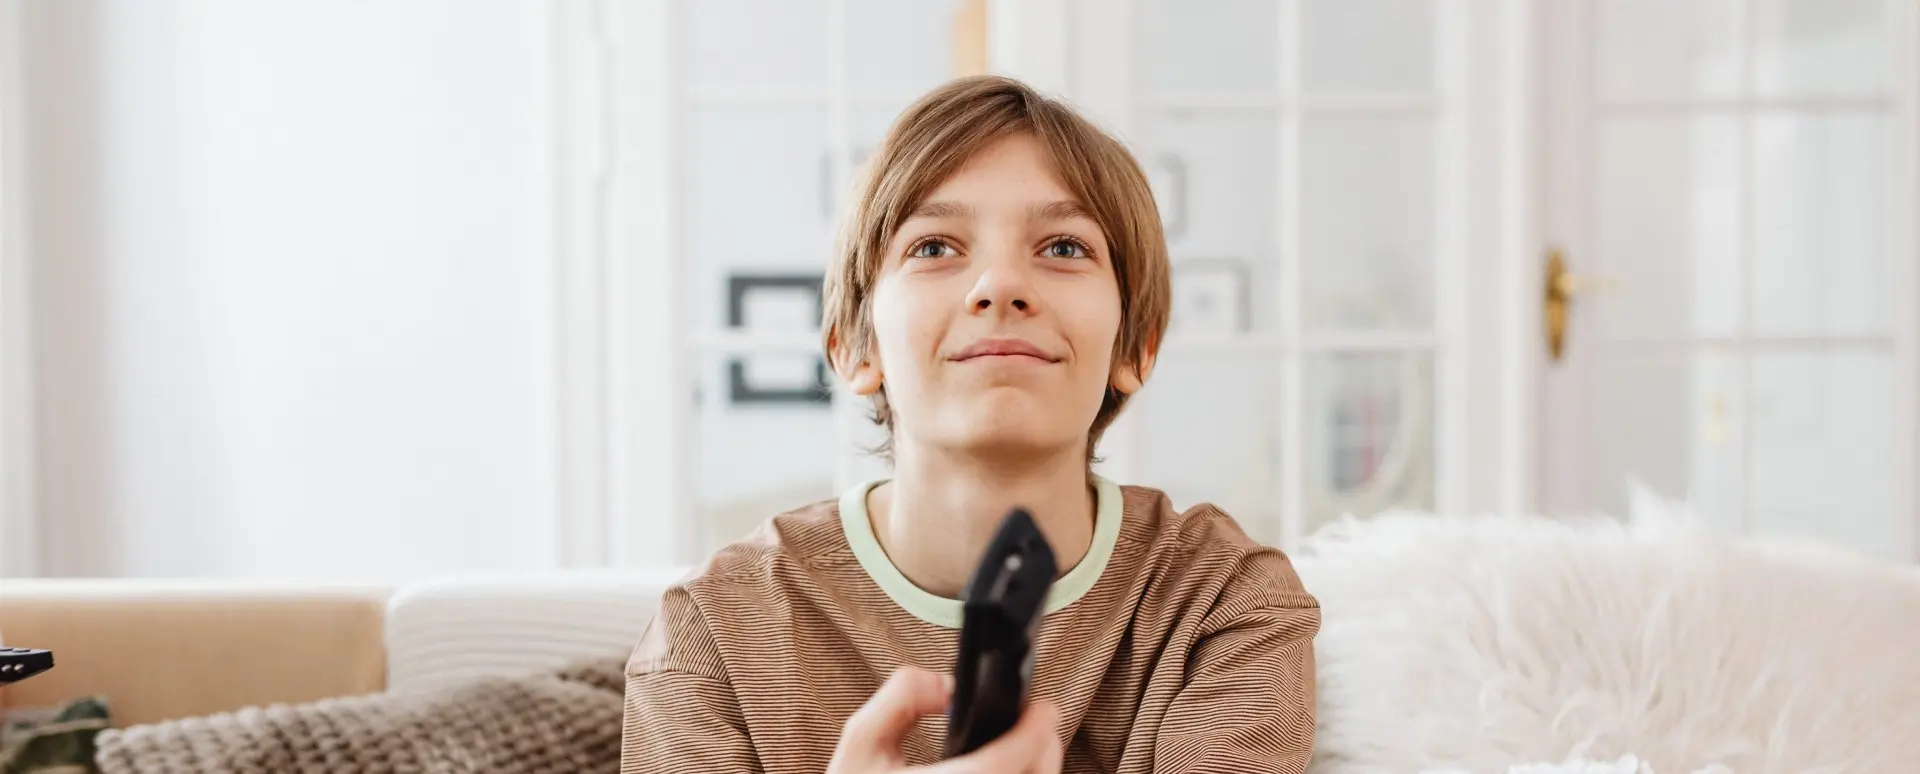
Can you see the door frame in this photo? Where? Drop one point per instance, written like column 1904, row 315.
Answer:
column 616, row 392
column 1503, row 408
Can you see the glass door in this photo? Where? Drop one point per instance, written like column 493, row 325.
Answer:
column 1308, row 157
column 1731, row 203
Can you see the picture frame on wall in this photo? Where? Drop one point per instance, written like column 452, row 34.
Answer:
column 1210, row 297
column 776, row 302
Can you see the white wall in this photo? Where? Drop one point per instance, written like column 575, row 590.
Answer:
column 19, row 536
column 289, row 312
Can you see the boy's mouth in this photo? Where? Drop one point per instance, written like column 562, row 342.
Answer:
column 1003, row 348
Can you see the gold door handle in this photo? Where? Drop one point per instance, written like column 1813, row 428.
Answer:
column 1561, row 286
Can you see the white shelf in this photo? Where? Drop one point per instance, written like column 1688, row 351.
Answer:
column 736, row 343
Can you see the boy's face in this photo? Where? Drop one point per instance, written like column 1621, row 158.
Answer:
column 996, row 311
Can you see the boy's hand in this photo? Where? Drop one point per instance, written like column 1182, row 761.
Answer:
column 870, row 744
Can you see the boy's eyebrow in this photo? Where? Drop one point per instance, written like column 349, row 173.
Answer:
column 939, row 210
column 1064, row 209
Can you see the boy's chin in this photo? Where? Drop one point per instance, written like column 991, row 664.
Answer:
column 1016, row 430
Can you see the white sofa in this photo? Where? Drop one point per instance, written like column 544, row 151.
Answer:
column 1448, row 645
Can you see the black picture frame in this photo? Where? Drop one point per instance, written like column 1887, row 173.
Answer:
column 740, row 391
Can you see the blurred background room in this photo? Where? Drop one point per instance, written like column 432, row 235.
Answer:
column 386, row 291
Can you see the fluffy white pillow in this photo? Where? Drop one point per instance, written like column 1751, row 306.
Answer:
column 1486, row 644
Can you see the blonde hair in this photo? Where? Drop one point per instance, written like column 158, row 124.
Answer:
column 930, row 141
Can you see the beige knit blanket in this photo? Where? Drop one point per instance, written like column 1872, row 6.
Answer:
column 566, row 721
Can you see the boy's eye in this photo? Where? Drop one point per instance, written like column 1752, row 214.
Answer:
column 931, row 248
column 1065, row 248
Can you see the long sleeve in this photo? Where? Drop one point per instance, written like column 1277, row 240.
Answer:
column 681, row 714
column 1247, row 704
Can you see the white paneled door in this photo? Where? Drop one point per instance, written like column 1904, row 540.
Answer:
column 1730, row 209
column 1309, row 160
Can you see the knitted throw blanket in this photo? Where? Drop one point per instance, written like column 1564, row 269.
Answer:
column 566, row 721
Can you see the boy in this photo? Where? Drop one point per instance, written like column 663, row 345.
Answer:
column 999, row 292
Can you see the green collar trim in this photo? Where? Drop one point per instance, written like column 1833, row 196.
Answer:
column 940, row 611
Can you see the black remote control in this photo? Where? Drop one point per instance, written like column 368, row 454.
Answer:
column 18, row 664
column 1005, row 601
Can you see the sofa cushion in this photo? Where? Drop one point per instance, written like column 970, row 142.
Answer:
column 450, row 629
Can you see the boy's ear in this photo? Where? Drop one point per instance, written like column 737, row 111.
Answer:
column 863, row 376
column 1129, row 377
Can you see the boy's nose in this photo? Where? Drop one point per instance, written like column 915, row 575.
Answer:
column 1003, row 286
column 1018, row 303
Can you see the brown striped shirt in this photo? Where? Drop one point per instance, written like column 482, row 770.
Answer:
column 1177, row 645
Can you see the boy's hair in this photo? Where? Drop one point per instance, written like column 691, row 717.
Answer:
column 929, row 142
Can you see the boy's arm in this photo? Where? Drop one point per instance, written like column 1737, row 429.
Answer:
column 1248, row 702
column 681, row 714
